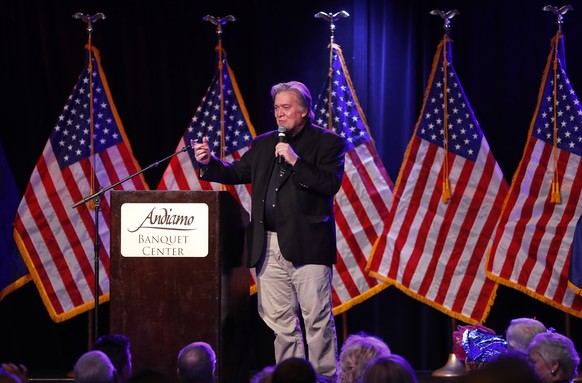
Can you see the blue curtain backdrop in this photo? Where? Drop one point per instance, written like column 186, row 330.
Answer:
column 159, row 60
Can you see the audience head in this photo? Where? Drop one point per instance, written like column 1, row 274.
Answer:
column 388, row 369
column 116, row 347
column 11, row 371
column 554, row 357
column 356, row 352
column 150, row 376
column 520, row 332
column 264, row 376
column 512, row 367
column 8, row 377
column 196, row 363
column 294, row 370
column 94, row 367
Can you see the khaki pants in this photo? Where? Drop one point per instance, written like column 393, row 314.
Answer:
column 286, row 291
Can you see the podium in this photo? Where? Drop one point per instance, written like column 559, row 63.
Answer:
column 165, row 300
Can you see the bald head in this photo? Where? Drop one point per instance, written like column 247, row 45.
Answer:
column 196, row 363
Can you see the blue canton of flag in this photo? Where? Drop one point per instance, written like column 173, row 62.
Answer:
column 346, row 120
column 464, row 133
column 206, row 120
column 568, row 113
column 71, row 137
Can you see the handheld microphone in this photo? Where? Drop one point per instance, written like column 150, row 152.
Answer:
column 281, row 137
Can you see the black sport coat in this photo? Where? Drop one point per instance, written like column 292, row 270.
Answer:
column 304, row 205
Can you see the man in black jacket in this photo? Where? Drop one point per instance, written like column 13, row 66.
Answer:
column 294, row 174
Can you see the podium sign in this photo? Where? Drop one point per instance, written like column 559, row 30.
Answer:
column 178, row 276
column 164, row 230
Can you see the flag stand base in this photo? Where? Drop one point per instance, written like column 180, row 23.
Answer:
column 453, row 367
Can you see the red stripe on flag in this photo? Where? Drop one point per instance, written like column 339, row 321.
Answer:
column 536, row 236
column 359, row 210
column 453, row 206
column 355, row 250
column 32, row 203
column 408, row 221
column 381, row 242
column 49, row 236
column 526, row 212
column 344, row 274
column 381, row 169
column 483, row 239
column 370, row 188
column 556, row 242
column 109, row 168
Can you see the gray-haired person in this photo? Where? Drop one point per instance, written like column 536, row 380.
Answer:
column 94, row 367
column 520, row 332
column 554, row 357
column 294, row 173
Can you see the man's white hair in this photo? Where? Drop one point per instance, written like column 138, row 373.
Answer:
column 94, row 367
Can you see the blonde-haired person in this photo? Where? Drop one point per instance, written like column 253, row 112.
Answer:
column 356, row 352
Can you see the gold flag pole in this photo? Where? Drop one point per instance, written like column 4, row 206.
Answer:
column 555, row 189
column 559, row 12
column 89, row 20
column 94, row 203
column 331, row 18
column 219, row 22
column 446, row 16
column 453, row 367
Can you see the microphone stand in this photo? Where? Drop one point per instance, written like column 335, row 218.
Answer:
column 96, row 198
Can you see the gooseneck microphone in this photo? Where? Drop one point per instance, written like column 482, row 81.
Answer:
column 281, row 137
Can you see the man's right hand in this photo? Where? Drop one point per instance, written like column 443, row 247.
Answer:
column 201, row 151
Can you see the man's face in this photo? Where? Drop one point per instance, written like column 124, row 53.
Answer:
column 288, row 112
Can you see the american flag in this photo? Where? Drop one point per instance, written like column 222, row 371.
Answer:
column 532, row 244
column 361, row 205
column 55, row 239
column 13, row 271
column 238, row 135
column 432, row 250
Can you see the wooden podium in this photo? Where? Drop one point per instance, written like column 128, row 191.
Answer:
column 164, row 303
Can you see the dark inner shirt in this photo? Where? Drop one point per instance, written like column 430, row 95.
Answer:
column 277, row 175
